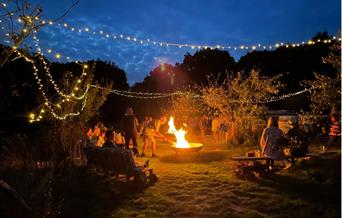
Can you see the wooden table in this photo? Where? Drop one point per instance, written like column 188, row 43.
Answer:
column 244, row 158
column 320, row 154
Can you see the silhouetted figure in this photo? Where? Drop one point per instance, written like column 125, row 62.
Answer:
column 130, row 124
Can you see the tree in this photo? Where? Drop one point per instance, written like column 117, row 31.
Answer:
column 29, row 17
column 325, row 95
column 205, row 62
column 239, row 99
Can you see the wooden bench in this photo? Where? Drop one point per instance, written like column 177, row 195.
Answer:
column 269, row 161
column 120, row 162
column 292, row 158
column 322, row 154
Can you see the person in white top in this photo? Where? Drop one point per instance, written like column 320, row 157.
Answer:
column 269, row 143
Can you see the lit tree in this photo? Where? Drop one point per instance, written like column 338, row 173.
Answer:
column 326, row 90
column 21, row 20
column 238, row 99
column 187, row 108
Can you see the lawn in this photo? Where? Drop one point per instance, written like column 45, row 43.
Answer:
column 206, row 186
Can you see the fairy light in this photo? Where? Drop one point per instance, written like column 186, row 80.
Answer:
column 107, row 35
column 47, row 104
column 54, row 84
column 129, row 94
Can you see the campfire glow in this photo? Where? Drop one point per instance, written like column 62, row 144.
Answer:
column 181, row 142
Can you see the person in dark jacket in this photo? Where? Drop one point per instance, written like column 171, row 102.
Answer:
column 130, row 125
column 109, row 140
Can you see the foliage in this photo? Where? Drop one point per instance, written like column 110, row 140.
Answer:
column 29, row 17
column 187, row 109
column 237, row 99
column 326, row 93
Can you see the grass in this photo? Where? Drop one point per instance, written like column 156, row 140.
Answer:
column 206, row 186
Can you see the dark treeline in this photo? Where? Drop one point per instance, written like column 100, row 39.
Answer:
column 295, row 64
column 19, row 93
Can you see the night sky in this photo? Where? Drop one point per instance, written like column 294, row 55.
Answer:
column 202, row 22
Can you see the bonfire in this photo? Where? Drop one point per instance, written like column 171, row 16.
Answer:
column 181, row 144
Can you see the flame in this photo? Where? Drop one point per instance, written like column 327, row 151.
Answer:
column 181, row 142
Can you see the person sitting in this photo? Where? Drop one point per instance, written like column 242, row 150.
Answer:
column 269, row 143
column 97, row 130
column 109, row 140
column 119, row 140
column 89, row 133
column 100, row 139
column 297, row 139
column 150, row 132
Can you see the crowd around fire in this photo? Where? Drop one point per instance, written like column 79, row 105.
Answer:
column 272, row 143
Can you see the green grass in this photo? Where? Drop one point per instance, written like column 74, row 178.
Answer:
column 206, row 186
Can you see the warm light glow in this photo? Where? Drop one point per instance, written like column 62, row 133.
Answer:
column 181, row 142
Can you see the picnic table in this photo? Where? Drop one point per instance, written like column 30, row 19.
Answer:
column 322, row 154
column 291, row 157
column 244, row 158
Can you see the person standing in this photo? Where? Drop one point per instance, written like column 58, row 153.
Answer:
column 130, row 124
column 150, row 132
column 335, row 131
column 203, row 125
column 215, row 129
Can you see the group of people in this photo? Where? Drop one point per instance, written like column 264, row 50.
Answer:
column 271, row 139
column 216, row 126
column 149, row 129
column 100, row 135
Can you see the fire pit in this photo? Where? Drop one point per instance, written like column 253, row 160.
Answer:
column 182, row 145
column 193, row 147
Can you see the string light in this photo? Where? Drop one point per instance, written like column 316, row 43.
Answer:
column 47, row 104
column 129, row 94
column 102, row 33
column 141, row 95
column 50, row 78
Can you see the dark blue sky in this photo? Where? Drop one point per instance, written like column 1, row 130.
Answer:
column 200, row 22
